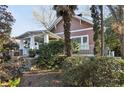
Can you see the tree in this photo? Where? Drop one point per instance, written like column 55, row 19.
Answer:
column 6, row 22
column 102, row 30
column 66, row 11
column 96, row 28
column 45, row 16
column 111, row 37
column 118, row 24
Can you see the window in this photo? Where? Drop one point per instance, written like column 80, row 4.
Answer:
column 83, row 41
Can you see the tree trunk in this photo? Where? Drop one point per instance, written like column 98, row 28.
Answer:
column 67, row 25
column 102, row 32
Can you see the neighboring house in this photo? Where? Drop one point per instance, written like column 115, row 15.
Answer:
column 81, row 31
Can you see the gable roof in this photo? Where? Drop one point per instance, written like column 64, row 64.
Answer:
column 26, row 34
column 77, row 17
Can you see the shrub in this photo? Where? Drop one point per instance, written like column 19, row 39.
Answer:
column 75, row 47
column 32, row 52
column 91, row 71
column 6, row 56
column 11, row 83
column 13, row 69
column 49, row 54
column 58, row 62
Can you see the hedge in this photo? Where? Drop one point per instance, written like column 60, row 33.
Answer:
column 91, row 71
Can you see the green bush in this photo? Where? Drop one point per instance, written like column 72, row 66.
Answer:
column 14, row 83
column 49, row 54
column 11, row 83
column 32, row 52
column 91, row 71
column 75, row 47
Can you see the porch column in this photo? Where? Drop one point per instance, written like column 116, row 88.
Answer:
column 46, row 38
column 21, row 47
column 32, row 42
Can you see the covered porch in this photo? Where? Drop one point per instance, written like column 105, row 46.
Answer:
column 32, row 40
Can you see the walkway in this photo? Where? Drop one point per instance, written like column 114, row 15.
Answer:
column 41, row 79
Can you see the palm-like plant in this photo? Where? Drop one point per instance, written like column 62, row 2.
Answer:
column 118, row 23
column 66, row 11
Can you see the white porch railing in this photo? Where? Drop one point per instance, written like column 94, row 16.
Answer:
column 87, row 49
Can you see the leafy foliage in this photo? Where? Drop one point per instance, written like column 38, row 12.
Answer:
column 6, row 21
column 111, row 37
column 118, row 23
column 96, row 28
column 75, row 47
column 13, row 69
column 49, row 52
column 14, row 83
column 50, row 55
column 91, row 71
column 10, row 45
column 32, row 52
column 10, row 83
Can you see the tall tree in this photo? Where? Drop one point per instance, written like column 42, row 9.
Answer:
column 6, row 22
column 102, row 30
column 96, row 28
column 66, row 11
column 118, row 24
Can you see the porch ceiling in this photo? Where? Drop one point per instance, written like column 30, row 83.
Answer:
column 52, row 35
column 38, row 33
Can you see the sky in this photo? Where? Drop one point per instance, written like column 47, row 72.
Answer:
column 25, row 20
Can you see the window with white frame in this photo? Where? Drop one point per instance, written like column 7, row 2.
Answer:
column 83, row 41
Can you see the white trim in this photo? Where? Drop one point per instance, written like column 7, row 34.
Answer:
column 84, row 19
column 80, row 21
column 79, row 30
column 79, row 36
column 87, row 45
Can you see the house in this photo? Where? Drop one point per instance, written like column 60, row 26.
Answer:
column 81, row 31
